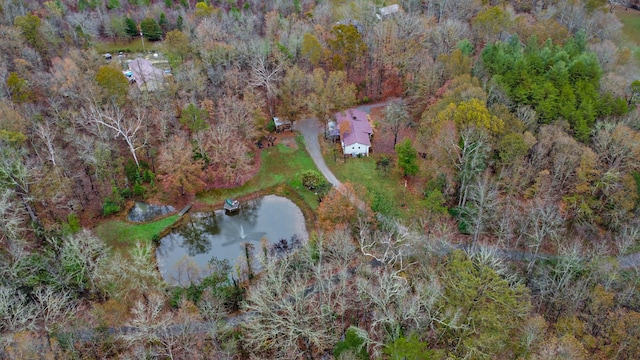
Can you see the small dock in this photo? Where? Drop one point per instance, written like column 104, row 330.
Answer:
column 184, row 211
column 231, row 205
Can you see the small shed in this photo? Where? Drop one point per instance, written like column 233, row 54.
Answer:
column 333, row 132
column 387, row 11
column 282, row 125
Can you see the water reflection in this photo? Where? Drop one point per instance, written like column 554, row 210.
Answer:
column 223, row 236
column 142, row 212
column 194, row 239
column 210, row 224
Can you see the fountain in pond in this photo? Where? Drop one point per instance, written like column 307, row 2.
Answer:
column 184, row 254
column 254, row 236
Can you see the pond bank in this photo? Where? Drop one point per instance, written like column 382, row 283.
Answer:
column 271, row 222
column 280, row 190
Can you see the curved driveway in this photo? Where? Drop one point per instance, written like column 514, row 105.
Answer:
column 311, row 129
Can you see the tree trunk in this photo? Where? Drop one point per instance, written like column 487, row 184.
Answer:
column 32, row 213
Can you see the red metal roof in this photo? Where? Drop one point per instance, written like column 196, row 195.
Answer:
column 359, row 128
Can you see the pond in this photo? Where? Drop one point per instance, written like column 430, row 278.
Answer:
column 142, row 212
column 184, row 254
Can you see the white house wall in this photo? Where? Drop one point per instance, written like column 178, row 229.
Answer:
column 355, row 149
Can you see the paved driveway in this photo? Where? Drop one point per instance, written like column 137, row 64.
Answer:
column 311, row 130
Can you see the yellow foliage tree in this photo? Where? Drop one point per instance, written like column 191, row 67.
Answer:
column 203, row 9
column 177, row 46
column 12, row 125
column 312, row 49
column 471, row 113
column 113, row 83
column 455, row 64
column 489, row 23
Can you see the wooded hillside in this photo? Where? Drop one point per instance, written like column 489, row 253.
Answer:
column 517, row 132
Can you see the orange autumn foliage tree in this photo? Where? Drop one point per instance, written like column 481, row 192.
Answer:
column 337, row 208
column 180, row 173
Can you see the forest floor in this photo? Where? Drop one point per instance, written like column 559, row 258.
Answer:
column 383, row 136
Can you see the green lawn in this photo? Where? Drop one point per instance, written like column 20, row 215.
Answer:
column 122, row 235
column 134, row 46
column 385, row 192
column 631, row 28
column 280, row 164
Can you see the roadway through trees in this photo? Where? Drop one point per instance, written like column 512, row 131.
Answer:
column 311, row 128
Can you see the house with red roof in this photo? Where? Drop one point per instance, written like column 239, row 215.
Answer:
column 356, row 133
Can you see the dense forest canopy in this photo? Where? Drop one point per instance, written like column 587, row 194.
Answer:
column 559, row 82
column 492, row 221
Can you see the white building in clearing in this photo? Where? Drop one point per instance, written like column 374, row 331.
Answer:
column 387, row 11
column 356, row 139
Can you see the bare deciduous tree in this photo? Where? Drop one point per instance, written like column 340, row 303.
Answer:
column 16, row 311
column 18, row 175
column 267, row 77
column 394, row 306
column 46, row 131
column 126, row 127
column 627, row 237
column 390, row 247
column 148, row 319
column 544, row 222
column 54, row 306
column 617, row 146
column 557, row 152
column 128, row 276
column 564, row 285
column 397, row 117
column 12, row 220
column 483, row 202
column 286, row 317
column 473, row 152
column 444, row 36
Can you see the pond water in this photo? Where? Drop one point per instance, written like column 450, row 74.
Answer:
column 183, row 255
column 142, row 212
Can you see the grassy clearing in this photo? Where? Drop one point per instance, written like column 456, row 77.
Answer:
column 121, row 235
column 385, row 192
column 631, row 24
column 280, row 164
column 133, row 46
column 631, row 28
